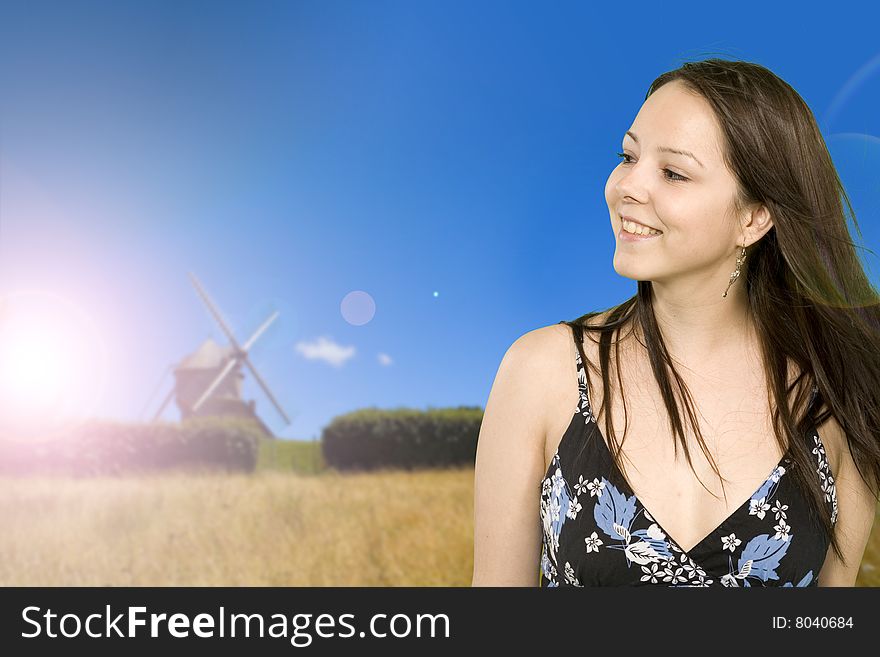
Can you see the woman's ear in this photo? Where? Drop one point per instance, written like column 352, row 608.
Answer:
column 756, row 223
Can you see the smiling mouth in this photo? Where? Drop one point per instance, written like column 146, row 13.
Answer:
column 633, row 228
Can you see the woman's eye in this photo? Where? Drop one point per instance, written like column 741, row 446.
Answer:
column 676, row 177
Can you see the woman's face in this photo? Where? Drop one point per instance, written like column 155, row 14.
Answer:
column 691, row 202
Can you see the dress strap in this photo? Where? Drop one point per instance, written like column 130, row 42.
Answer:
column 813, row 396
column 578, row 336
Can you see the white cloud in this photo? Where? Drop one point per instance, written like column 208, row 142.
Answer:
column 325, row 349
column 384, row 359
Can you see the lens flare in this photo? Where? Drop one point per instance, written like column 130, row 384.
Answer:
column 52, row 366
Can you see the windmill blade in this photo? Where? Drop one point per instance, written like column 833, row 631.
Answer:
column 265, row 389
column 214, row 311
column 259, row 332
column 156, row 390
column 216, row 382
column 239, row 352
column 164, row 404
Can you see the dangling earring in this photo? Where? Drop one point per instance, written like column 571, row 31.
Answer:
column 733, row 276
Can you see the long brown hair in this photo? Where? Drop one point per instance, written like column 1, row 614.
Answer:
column 808, row 294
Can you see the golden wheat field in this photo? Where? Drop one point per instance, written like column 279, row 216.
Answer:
column 265, row 529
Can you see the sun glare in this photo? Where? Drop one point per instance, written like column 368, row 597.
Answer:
column 52, row 365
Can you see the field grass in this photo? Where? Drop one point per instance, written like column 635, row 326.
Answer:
column 272, row 528
column 267, row 529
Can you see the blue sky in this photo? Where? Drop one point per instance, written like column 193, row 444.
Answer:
column 446, row 158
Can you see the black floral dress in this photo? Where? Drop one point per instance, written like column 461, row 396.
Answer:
column 596, row 532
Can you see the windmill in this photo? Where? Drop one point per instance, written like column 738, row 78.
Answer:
column 208, row 381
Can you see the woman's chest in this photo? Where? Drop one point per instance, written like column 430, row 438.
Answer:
column 678, row 484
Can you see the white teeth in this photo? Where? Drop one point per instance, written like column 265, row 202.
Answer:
column 638, row 229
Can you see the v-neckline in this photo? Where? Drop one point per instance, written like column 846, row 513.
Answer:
column 689, row 552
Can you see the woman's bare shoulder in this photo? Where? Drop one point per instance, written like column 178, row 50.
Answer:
column 555, row 344
column 547, row 355
column 541, row 351
column 543, row 342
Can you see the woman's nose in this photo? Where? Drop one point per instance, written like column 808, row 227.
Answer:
column 630, row 181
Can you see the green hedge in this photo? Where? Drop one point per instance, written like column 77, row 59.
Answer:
column 402, row 438
column 109, row 447
column 300, row 456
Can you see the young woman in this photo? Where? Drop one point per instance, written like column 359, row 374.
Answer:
column 753, row 319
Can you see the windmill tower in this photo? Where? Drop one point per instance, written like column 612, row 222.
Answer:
column 208, row 381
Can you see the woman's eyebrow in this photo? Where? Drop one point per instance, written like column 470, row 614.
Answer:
column 667, row 149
